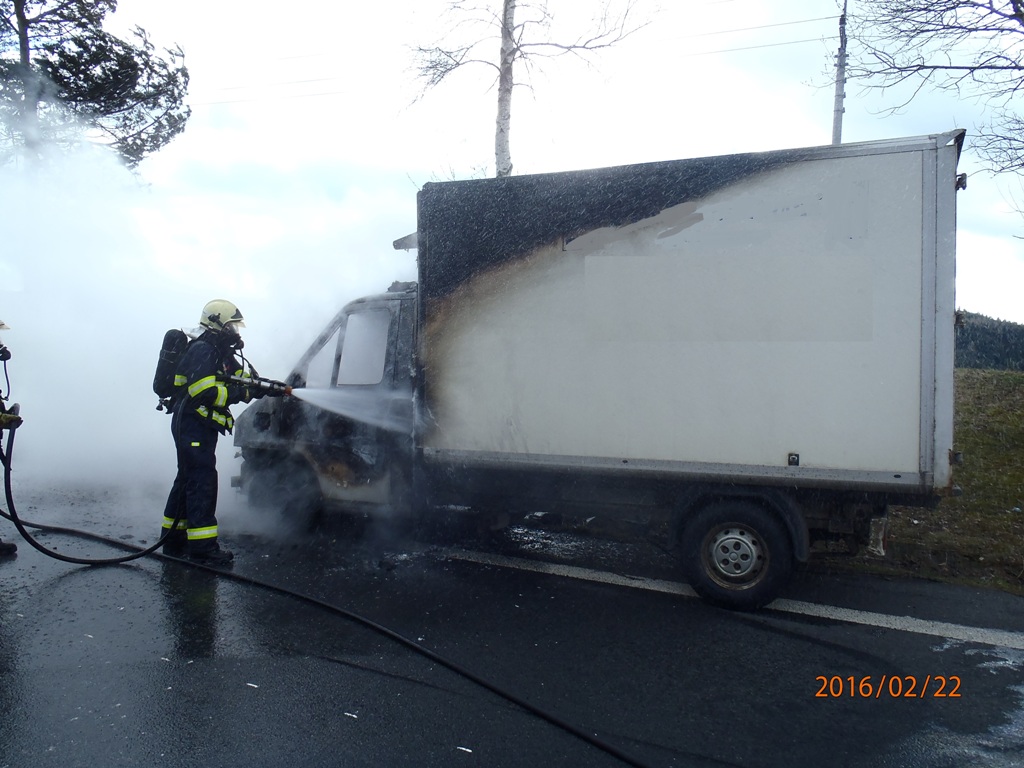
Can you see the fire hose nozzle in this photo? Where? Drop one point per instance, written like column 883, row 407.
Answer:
column 268, row 386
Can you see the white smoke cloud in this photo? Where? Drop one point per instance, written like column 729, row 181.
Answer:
column 96, row 265
column 78, row 293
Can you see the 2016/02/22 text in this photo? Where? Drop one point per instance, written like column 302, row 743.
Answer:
column 886, row 686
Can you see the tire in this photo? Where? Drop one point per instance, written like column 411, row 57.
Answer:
column 736, row 554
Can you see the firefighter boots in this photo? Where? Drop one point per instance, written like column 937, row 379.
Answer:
column 215, row 556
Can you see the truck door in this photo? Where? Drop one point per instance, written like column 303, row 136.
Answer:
column 361, row 417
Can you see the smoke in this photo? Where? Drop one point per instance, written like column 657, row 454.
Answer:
column 80, row 292
column 96, row 265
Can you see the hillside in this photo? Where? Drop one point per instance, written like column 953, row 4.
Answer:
column 982, row 342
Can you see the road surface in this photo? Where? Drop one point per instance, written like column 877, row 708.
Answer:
column 532, row 647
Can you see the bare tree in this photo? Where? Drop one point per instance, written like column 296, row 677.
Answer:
column 523, row 29
column 973, row 48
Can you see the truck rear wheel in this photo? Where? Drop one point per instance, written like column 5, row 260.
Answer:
column 736, row 554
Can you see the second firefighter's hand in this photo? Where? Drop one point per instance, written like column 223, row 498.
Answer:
column 10, row 421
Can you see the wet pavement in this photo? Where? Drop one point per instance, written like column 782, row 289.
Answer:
column 158, row 663
column 163, row 664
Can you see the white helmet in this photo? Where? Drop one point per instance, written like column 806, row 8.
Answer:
column 221, row 315
column 4, row 326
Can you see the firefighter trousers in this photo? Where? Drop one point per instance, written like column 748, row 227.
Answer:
column 193, row 495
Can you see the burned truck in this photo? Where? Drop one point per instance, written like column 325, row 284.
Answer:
column 752, row 352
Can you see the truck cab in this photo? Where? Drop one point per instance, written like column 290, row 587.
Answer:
column 347, row 443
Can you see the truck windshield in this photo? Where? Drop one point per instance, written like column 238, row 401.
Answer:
column 364, row 350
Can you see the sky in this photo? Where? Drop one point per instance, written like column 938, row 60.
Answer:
column 309, row 138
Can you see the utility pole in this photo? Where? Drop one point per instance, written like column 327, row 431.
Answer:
column 837, row 114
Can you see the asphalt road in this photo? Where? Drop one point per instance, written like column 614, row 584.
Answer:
column 158, row 663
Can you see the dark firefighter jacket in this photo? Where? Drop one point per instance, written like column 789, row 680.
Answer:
column 203, row 373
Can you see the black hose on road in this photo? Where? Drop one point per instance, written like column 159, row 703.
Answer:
column 22, row 526
column 138, row 552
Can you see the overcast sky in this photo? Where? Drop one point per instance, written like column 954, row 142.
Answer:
column 306, row 147
column 307, row 138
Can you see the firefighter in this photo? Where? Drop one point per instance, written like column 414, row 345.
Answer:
column 200, row 415
column 9, row 419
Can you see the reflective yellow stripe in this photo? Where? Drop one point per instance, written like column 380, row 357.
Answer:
column 202, row 385
column 210, row 382
column 210, row 532
column 169, row 523
column 217, row 417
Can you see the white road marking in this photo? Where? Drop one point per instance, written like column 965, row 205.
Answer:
column 996, row 637
column 571, row 572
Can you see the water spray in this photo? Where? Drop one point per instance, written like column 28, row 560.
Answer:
column 390, row 412
column 381, row 411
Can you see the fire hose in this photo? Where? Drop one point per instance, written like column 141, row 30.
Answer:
column 22, row 526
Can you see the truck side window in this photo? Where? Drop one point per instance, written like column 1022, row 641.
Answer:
column 323, row 364
column 364, row 351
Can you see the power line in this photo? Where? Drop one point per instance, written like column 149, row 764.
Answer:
column 683, row 37
column 336, row 93
column 753, row 29
column 766, row 45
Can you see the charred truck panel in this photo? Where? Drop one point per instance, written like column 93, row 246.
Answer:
column 754, row 351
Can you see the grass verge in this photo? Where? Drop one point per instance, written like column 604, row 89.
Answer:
column 976, row 538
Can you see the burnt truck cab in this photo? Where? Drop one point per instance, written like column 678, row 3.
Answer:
column 346, row 440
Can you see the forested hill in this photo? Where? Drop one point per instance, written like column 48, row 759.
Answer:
column 982, row 342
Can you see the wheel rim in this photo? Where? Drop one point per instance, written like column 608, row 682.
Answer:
column 734, row 556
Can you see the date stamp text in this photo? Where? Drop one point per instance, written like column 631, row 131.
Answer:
column 888, row 687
